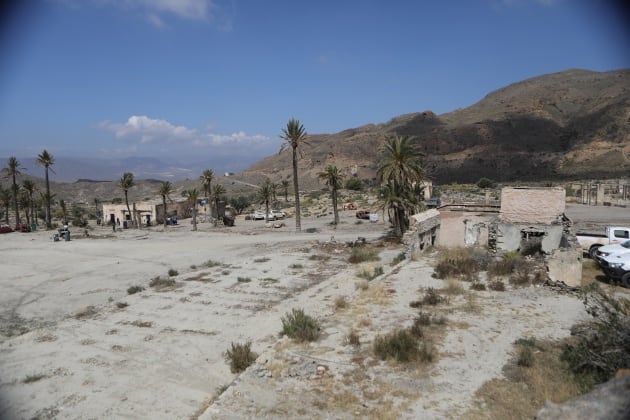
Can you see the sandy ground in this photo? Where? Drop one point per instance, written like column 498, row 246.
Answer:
column 75, row 344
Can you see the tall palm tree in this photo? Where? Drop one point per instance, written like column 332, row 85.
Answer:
column 264, row 195
column 294, row 136
column 12, row 170
column 284, row 184
column 192, row 195
column 5, row 199
column 333, row 178
column 125, row 183
column 166, row 188
column 218, row 191
column 47, row 160
column 400, row 168
column 29, row 188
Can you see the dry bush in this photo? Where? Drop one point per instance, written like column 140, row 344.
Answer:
column 172, row 272
column 402, row 346
column 362, row 254
column 600, row 346
column 362, row 285
column 461, row 263
column 299, row 326
column 453, row 287
column 353, row 338
column 161, row 283
column 340, row 302
column 496, row 285
column 240, row 356
column 85, row 312
column 431, row 297
column 477, row 285
column 370, row 275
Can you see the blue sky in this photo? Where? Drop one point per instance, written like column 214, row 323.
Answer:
column 199, row 80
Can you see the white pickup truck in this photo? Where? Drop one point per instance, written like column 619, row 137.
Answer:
column 617, row 266
column 590, row 242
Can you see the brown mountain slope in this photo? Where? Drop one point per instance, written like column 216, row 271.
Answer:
column 568, row 125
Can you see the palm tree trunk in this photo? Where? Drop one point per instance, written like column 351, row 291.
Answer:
column 15, row 202
column 298, row 221
column 164, row 206
column 48, row 214
column 334, row 203
column 194, row 217
column 128, row 209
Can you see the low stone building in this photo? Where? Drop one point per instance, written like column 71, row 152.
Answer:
column 424, row 231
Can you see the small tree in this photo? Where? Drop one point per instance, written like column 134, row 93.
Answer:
column 47, row 160
column 486, row 183
column 264, row 196
column 12, row 170
column 284, row 185
column 218, row 191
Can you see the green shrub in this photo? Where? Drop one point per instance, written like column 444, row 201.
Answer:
column 134, row 289
column 399, row 258
column 360, row 254
column 354, row 184
column 299, row 326
column 240, row 356
column 172, row 272
column 486, row 183
column 370, row 275
column 525, row 356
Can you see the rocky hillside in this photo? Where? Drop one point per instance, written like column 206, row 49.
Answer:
column 569, row 125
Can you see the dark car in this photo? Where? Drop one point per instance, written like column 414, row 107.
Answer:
column 363, row 214
column 434, row 203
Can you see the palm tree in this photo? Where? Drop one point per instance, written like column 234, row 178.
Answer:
column 29, row 188
column 192, row 195
column 126, row 182
column 47, row 160
column 400, row 169
column 333, row 178
column 284, row 184
column 25, row 204
column 5, row 199
column 64, row 210
column 294, row 135
column 218, row 191
column 264, row 195
column 206, row 179
column 166, row 188
column 12, row 170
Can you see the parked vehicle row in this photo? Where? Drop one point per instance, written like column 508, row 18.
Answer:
column 591, row 242
column 273, row 215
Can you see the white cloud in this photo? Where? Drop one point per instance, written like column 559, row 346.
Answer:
column 141, row 130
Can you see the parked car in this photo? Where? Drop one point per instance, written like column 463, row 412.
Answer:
column 258, row 215
column 434, row 203
column 615, row 249
column 276, row 214
column 591, row 242
column 363, row 214
column 617, row 267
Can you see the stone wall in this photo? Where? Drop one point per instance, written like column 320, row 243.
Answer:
column 532, row 205
column 423, row 233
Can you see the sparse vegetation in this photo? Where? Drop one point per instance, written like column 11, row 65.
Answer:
column 262, row 260
column 300, row 326
column 240, row 356
column 362, row 254
column 211, row 263
column 296, row 266
column 33, row 378
column 85, row 312
column 243, row 279
column 341, row 302
column 370, row 275
column 172, row 272
column 431, row 297
column 477, row 285
column 399, row 258
column 121, row 305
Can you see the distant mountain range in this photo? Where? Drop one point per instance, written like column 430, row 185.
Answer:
column 569, row 125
